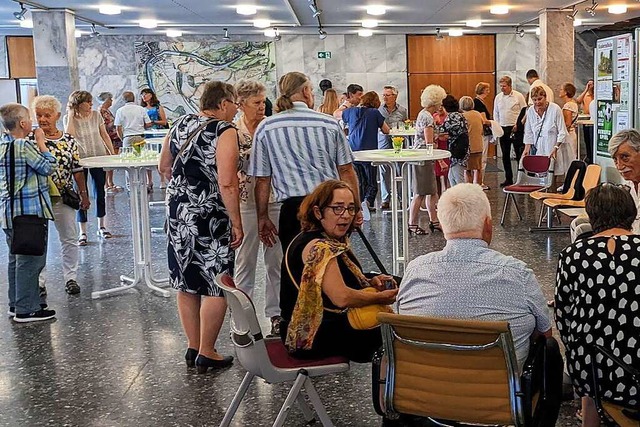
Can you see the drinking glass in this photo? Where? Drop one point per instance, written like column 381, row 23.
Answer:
column 397, row 144
column 429, row 149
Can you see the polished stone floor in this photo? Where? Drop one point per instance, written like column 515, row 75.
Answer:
column 118, row 361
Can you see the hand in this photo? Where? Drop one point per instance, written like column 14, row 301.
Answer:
column 358, row 220
column 380, row 280
column 554, row 153
column 41, row 141
column 527, row 149
column 84, row 202
column 236, row 236
column 387, row 297
column 267, row 231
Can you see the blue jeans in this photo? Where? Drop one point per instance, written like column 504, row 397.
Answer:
column 24, row 293
column 98, row 178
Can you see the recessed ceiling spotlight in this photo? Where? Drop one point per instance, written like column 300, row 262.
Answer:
column 369, row 23
column 246, row 9
column 376, row 10
column 439, row 35
column 499, row 10
column 322, row 33
column 577, row 22
column 617, row 9
column 174, row 33
column 226, row 34
column 474, row 23
column 365, row 33
column 455, row 32
column 26, row 23
column 77, row 34
column 20, row 15
column 110, row 9
column 148, row 23
column 261, row 23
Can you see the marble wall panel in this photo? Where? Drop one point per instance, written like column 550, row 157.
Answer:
column 396, row 53
column 336, row 65
column 515, row 56
column 107, row 55
column 506, row 46
column 289, row 55
column 56, row 81
column 53, row 38
column 4, row 64
column 355, row 59
column 375, row 49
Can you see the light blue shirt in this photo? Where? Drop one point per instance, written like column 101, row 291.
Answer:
column 467, row 280
column 299, row 149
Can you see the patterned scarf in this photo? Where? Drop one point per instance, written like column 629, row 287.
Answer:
column 307, row 313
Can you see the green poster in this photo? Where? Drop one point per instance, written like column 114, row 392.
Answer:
column 605, row 127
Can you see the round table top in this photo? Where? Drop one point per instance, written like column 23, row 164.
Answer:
column 409, row 155
column 115, row 162
column 396, row 132
column 155, row 140
column 156, row 132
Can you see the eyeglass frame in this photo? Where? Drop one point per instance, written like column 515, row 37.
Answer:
column 353, row 210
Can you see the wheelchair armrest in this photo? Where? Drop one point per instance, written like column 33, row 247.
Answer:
column 378, row 381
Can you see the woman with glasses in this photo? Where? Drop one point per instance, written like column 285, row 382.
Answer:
column 322, row 278
column 597, row 300
column 200, row 157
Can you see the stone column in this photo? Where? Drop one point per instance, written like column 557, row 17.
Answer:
column 56, row 55
column 557, row 41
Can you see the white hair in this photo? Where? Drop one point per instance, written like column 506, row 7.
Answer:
column 630, row 136
column 463, row 208
column 432, row 95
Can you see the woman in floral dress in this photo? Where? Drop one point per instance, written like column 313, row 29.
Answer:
column 201, row 159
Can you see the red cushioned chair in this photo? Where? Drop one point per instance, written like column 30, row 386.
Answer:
column 535, row 173
column 268, row 359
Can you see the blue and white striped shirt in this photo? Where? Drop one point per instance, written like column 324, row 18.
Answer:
column 299, row 149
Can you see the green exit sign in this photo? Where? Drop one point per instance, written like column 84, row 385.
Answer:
column 324, row 55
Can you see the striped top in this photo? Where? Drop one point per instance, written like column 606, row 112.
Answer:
column 299, row 149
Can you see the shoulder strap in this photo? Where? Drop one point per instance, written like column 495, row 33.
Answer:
column 193, row 135
column 544, row 116
column 12, row 173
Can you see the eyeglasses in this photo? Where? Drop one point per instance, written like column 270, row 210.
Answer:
column 237, row 104
column 339, row 210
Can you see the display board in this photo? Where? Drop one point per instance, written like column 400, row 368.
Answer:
column 614, row 88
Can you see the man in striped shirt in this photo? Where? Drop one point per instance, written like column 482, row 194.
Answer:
column 296, row 150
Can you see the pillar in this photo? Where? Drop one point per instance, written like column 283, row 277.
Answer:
column 557, row 44
column 55, row 53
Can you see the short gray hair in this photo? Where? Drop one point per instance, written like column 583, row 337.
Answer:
column 432, row 95
column 393, row 89
column 104, row 97
column 46, row 102
column 630, row 136
column 463, row 208
column 12, row 114
column 466, row 103
column 128, row 96
column 245, row 89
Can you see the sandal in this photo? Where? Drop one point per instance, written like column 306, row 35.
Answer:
column 82, row 240
column 435, row 225
column 417, row 230
column 102, row 232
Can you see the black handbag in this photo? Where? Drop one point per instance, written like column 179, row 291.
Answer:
column 70, row 197
column 29, row 232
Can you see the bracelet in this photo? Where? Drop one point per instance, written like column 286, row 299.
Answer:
column 556, row 146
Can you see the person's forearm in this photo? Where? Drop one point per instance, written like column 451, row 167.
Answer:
column 106, row 139
column 355, row 298
column 262, row 192
column 231, row 199
column 80, row 181
column 119, row 132
column 165, row 165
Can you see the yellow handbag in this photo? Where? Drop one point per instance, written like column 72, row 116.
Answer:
column 366, row 317
column 53, row 189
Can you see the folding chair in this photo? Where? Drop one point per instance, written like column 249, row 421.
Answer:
column 535, row 173
column 269, row 360
column 572, row 188
column 461, row 371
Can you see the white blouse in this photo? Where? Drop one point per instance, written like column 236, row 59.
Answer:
column 543, row 132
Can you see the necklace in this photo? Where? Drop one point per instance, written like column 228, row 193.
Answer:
column 53, row 135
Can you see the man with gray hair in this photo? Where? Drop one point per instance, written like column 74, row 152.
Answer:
column 468, row 280
column 393, row 114
column 131, row 121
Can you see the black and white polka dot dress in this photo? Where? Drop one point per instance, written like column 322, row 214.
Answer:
column 598, row 302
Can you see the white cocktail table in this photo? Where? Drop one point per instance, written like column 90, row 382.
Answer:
column 399, row 166
column 140, row 229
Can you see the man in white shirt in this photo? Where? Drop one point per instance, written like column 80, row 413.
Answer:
column 506, row 109
column 534, row 80
column 131, row 121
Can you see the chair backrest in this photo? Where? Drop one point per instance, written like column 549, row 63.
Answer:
column 535, row 170
column 591, row 178
column 246, row 333
column 462, row 370
column 573, row 180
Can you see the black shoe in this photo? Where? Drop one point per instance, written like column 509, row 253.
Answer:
column 203, row 363
column 36, row 316
column 190, row 357
column 506, row 183
column 72, row 287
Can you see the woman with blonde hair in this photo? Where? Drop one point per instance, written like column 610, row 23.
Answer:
column 86, row 125
column 330, row 102
column 482, row 91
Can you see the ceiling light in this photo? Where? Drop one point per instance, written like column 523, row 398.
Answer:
column 617, row 9
column 226, row 34
column 573, row 13
column 110, row 9
column 314, row 8
column 474, row 23
column 365, row 33
column 439, row 36
column 322, row 33
column 26, row 23
column 537, row 31
column 174, row 33
column 499, row 10
column 78, row 34
column 148, row 23
column 376, row 10
column 261, row 23
column 20, row 15
column 577, row 22
column 94, row 32
column 455, row 32
column 369, row 23
column 246, row 9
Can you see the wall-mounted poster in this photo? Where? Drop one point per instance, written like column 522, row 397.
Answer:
column 177, row 71
column 605, row 125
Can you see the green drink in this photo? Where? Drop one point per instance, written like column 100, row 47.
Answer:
column 397, row 142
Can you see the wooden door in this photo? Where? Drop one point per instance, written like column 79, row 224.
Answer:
column 22, row 63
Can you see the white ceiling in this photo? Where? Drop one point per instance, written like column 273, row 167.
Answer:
column 295, row 16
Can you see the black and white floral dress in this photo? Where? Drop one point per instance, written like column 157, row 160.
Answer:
column 598, row 302
column 198, row 227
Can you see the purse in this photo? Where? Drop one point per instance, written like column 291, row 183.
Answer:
column 70, row 197
column 29, row 232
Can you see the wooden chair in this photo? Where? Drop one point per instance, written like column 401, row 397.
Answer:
column 572, row 188
column 459, row 370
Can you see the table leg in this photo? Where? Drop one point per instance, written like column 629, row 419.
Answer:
column 406, row 205
column 395, row 244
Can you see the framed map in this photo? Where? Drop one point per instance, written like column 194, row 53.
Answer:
column 177, row 71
